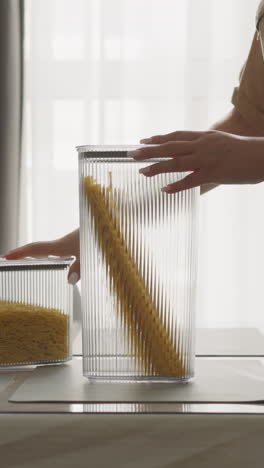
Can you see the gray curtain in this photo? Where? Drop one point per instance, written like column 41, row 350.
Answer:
column 11, row 93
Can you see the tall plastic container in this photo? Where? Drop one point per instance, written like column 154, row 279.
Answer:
column 35, row 311
column 138, row 268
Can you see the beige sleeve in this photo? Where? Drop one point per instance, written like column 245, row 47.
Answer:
column 248, row 97
column 260, row 13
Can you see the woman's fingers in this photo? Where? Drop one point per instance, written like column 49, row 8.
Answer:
column 174, row 136
column 36, row 249
column 170, row 149
column 195, row 179
column 181, row 164
column 44, row 249
column 74, row 272
column 69, row 245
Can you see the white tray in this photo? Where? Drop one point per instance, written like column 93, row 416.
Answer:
column 216, row 381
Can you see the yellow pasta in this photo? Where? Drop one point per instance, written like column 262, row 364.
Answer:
column 30, row 333
column 149, row 339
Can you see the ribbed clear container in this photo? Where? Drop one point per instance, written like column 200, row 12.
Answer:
column 138, row 268
column 35, row 311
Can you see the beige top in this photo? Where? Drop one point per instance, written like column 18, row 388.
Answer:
column 260, row 13
column 248, row 97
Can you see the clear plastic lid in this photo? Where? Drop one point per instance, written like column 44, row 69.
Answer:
column 29, row 263
column 106, row 148
column 119, row 153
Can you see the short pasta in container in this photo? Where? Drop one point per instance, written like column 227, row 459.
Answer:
column 35, row 311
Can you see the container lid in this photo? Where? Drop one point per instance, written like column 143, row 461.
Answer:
column 106, row 148
column 29, row 263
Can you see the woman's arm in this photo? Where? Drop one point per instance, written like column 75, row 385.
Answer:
column 234, row 123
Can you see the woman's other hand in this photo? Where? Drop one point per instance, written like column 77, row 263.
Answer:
column 65, row 246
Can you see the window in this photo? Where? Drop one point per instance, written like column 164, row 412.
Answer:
column 116, row 71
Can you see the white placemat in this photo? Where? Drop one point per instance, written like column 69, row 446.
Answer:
column 5, row 380
column 217, row 380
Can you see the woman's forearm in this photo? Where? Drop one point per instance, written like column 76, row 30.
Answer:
column 234, row 123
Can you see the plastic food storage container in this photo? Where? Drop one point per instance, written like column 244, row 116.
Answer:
column 35, row 311
column 138, row 268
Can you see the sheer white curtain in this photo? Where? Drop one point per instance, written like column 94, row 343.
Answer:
column 113, row 71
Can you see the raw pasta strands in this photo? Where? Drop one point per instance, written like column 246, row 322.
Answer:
column 150, row 341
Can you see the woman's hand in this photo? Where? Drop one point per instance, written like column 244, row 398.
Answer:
column 63, row 247
column 212, row 157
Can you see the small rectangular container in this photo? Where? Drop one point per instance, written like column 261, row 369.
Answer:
column 138, row 268
column 35, row 311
